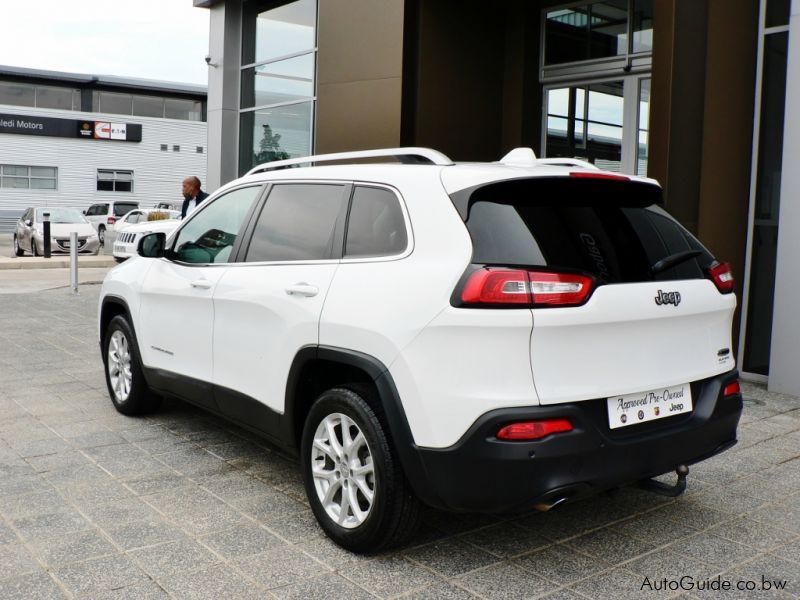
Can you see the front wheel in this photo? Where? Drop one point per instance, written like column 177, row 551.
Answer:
column 353, row 479
column 123, row 369
column 17, row 250
column 101, row 234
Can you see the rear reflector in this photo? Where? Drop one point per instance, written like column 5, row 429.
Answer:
column 732, row 389
column 533, row 430
column 517, row 287
column 722, row 276
column 598, row 175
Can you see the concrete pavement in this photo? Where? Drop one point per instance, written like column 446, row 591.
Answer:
column 183, row 505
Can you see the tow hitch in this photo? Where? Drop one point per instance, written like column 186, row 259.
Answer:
column 664, row 489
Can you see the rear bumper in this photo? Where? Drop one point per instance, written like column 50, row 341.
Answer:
column 481, row 473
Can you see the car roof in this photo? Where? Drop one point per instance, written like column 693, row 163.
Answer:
column 520, row 163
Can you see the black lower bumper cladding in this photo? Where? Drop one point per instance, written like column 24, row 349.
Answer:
column 482, row 473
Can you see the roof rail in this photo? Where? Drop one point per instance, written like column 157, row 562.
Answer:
column 404, row 155
column 568, row 162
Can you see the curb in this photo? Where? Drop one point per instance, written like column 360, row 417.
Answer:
column 32, row 262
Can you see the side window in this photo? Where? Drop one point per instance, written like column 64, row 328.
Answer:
column 208, row 237
column 133, row 217
column 92, row 210
column 375, row 226
column 298, row 222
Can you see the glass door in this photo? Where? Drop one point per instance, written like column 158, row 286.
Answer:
column 603, row 122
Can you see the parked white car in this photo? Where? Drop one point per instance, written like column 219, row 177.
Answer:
column 139, row 215
column 476, row 337
column 103, row 215
column 127, row 240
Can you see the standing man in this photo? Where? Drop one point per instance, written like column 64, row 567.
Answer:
column 192, row 195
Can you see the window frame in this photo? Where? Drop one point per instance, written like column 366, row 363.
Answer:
column 114, row 181
column 29, row 178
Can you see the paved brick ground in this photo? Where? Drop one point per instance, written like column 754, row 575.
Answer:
column 182, row 505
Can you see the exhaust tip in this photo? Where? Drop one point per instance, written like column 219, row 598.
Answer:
column 549, row 504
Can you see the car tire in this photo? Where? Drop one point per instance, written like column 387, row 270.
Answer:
column 123, row 370
column 347, row 454
column 101, row 234
column 34, row 248
column 17, row 250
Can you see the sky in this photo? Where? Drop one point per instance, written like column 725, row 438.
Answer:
column 151, row 39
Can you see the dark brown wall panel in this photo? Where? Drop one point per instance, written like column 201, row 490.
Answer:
column 359, row 74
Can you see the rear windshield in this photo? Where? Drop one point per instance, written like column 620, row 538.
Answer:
column 616, row 237
column 120, row 210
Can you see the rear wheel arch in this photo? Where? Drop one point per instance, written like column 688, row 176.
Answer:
column 317, row 369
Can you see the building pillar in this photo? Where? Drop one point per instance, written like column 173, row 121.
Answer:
column 784, row 375
column 225, row 32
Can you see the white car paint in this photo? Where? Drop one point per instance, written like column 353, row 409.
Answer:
column 127, row 239
column 450, row 365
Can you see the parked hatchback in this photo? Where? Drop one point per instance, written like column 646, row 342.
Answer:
column 29, row 231
column 105, row 214
column 475, row 337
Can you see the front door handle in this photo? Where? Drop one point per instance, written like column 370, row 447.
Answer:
column 202, row 284
column 302, row 289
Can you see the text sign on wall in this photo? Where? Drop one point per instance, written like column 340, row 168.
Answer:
column 71, row 128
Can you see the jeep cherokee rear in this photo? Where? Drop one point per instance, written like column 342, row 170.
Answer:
column 478, row 337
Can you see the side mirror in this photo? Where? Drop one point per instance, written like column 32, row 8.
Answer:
column 28, row 222
column 152, row 245
column 84, row 212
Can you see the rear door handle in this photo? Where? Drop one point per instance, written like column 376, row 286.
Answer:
column 202, row 284
column 302, row 289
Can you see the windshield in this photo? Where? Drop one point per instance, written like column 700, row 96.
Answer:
column 60, row 215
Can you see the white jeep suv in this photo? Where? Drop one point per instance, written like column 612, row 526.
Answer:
column 475, row 337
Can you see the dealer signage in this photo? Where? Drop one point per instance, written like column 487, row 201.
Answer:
column 52, row 127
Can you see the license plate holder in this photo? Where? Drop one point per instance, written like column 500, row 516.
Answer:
column 643, row 407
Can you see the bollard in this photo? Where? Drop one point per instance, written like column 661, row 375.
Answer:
column 73, row 261
column 46, row 234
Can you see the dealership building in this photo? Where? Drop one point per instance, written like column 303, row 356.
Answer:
column 73, row 140
column 690, row 92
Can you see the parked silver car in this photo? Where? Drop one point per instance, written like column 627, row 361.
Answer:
column 29, row 233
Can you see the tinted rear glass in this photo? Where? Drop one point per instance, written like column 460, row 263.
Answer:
column 121, row 210
column 612, row 237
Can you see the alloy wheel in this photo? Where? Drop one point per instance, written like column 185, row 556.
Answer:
column 119, row 365
column 343, row 472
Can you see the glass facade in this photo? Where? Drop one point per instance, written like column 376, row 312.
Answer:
column 586, row 122
column 39, row 96
column 147, row 106
column 593, row 113
column 277, row 81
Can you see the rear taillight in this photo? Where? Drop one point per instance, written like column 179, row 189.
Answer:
column 518, row 287
column 112, row 220
column 722, row 276
column 533, row 430
column 732, row 389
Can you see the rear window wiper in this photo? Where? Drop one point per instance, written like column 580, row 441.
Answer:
column 674, row 259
